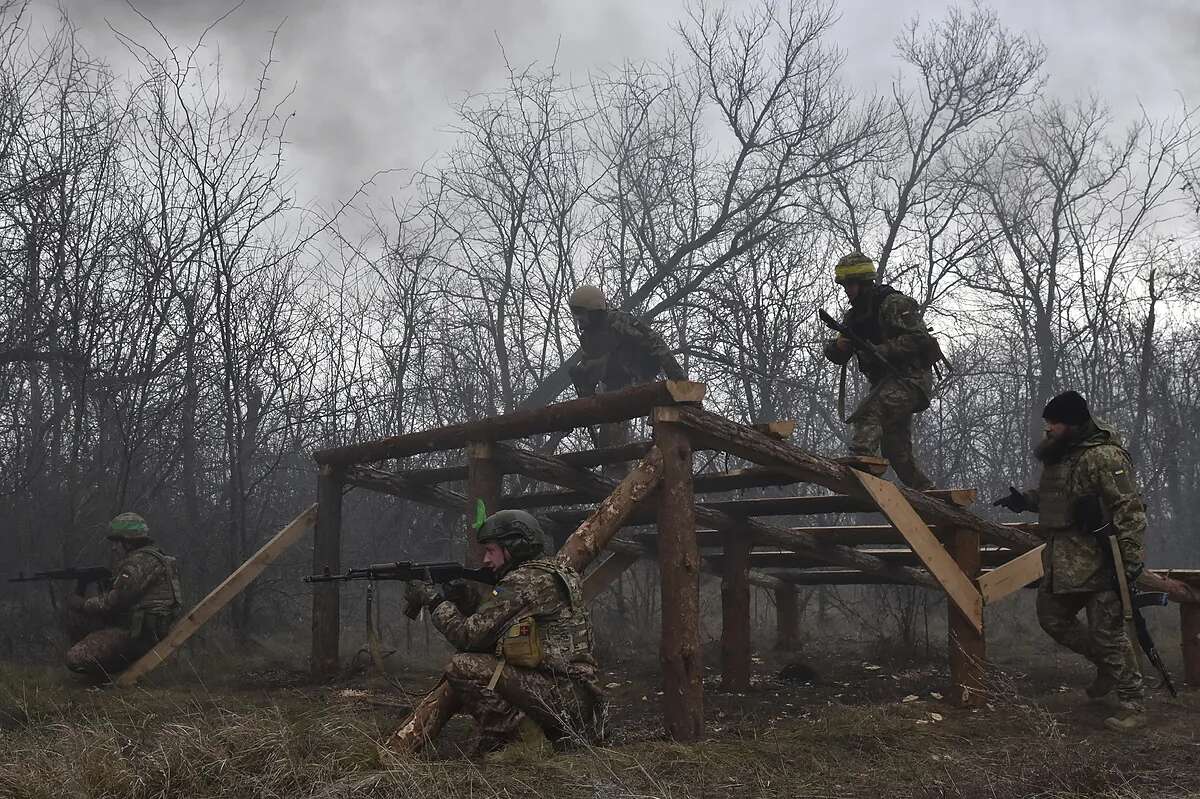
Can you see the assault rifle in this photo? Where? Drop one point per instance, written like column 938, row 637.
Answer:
column 861, row 345
column 1091, row 513
column 405, row 570
column 83, row 577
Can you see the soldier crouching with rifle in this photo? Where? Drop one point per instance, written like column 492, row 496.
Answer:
column 112, row 629
column 1086, row 472
column 524, row 655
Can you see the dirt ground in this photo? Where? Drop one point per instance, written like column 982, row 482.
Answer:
column 836, row 726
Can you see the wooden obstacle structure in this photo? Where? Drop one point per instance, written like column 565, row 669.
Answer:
column 930, row 540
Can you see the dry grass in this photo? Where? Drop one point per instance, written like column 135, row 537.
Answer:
column 58, row 740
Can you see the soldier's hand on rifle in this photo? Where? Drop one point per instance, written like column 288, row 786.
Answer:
column 1014, row 501
column 462, row 595
column 421, row 595
column 843, row 344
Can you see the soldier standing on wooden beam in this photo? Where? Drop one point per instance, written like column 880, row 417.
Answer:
column 1086, row 473
column 616, row 349
column 901, row 383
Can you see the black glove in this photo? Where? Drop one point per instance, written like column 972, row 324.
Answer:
column 1014, row 501
column 462, row 595
column 419, row 595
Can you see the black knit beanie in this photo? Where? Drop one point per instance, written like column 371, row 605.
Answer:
column 1069, row 408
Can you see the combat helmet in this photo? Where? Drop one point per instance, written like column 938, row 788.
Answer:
column 587, row 298
column 129, row 528
column 515, row 530
column 854, row 266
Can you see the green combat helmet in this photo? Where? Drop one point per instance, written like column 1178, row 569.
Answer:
column 854, row 266
column 130, row 528
column 587, row 298
column 515, row 530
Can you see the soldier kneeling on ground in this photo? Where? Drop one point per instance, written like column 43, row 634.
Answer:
column 111, row 630
column 524, row 665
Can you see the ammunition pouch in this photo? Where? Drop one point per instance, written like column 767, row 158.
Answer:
column 1088, row 513
column 522, row 644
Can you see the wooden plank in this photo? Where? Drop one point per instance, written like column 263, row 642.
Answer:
column 613, row 406
column 604, row 575
column 781, row 429
column 219, row 597
column 598, row 529
column 1012, row 576
column 935, row 557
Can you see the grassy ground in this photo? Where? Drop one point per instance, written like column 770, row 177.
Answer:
column 858, row 729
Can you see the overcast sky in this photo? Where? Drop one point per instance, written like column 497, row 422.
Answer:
column 374, row 78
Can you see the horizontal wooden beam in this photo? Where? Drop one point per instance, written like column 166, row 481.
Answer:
column 625, row 553
column 549, row 469
column 790, row 560
column 710, row 430
column 399, row 486
column 612, row 406
column 584, row 458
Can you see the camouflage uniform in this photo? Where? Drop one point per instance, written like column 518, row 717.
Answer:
column 123, row 623
column 561, row 694
column 621, row 351
column 883, row 420
column 1078, row 569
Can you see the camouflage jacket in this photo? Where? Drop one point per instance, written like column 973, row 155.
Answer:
column 539, row 589
column 892, row 321
column 147, row 581
column 622, row 351
column 1074, row 559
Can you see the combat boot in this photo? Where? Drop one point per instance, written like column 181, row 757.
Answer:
column 1101, row 686
column 1129, row 716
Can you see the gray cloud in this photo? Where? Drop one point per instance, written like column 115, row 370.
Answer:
column 374, row 79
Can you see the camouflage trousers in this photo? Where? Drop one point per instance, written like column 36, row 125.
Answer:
column 101, row 649
column 1103, row 641
column 882, row 424
column 565, row 708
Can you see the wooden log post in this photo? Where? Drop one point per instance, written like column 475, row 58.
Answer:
column 967, row 650
column 1189, row 620
column 327, row 554
column 679, row 564
column 735, row 611
column 484, row 482
column 787, row 619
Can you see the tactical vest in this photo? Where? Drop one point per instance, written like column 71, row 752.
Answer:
column 1056, row 499
column 157, row 607
column 564, row 636
column 866, row 322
